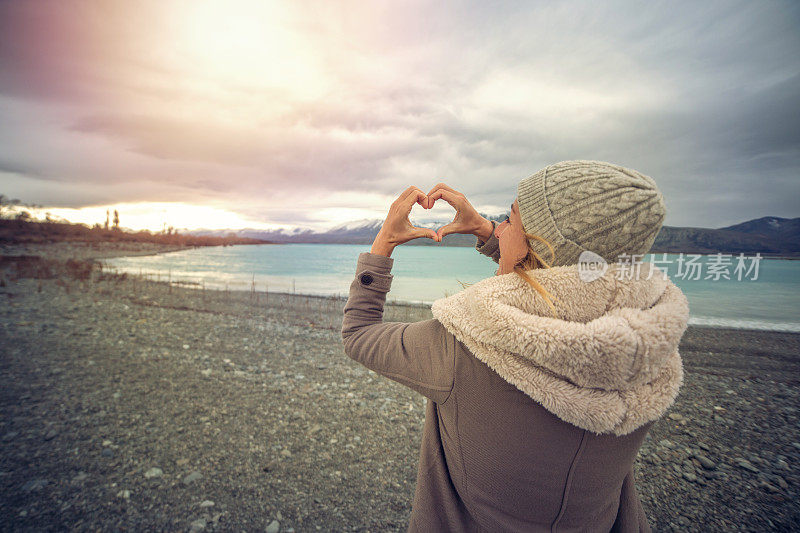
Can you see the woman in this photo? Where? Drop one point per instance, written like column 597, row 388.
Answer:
column 541, row 382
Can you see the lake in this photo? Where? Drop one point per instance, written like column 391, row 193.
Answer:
column 759, row 294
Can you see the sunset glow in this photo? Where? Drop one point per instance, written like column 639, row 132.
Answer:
column 245, row 44
column 157, row 216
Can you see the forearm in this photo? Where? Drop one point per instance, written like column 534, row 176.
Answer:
column 367, row 293
column 413, row 354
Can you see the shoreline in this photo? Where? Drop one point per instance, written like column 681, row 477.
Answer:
column 694, row 321
column 101, row 252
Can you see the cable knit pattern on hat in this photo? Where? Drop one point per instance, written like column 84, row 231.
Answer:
column 609, row 363
column 590, row 205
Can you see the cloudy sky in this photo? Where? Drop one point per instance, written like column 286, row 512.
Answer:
column 237, row 113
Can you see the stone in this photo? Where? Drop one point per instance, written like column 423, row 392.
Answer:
column 10, row 435
column 689, row 476
column 153, row 472
column 51, row 434
column 747, row 465
column 768, row 486
column 781, row 482
column 665, row 443
column 705, row 462
column 124, row 494
column 273, row 527
column 107, row 452
column 34, row 485
column 675, row 416
column 206, row 503
column 191, row 478
column 80, row 477
column 198, row 525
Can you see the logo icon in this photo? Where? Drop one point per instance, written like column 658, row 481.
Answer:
column 591, row 266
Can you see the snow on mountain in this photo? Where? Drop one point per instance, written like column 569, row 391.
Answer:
column 364, row 223
column 362, row 231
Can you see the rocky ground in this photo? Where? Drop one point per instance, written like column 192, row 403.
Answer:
column 134, row 405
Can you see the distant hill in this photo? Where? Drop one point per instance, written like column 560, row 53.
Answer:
column 16, row 231
column 767, row 235
column 785, row 229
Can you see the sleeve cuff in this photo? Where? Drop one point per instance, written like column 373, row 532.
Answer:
column 373, row 272
column 491, row 246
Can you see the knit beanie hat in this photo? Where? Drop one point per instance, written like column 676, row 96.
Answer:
column 590, row 205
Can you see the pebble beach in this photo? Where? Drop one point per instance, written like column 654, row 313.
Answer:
column 131, row 404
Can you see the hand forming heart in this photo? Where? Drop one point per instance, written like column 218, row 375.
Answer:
column 397, row 229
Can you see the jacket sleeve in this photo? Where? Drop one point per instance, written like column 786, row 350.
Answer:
column 491, row 247
column 419, row 355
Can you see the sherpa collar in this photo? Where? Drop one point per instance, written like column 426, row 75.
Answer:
column 609, row 363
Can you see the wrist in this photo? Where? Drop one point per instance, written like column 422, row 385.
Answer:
column 484, row 231
column 381, row 247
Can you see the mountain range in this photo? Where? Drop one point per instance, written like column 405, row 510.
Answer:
column 766, row 235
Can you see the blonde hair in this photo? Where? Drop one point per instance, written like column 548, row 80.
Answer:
column 531, row 261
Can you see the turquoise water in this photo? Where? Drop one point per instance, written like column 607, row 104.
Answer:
column 424, row 274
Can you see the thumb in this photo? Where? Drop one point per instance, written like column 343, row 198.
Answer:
column 445, row 230
column 424, row 232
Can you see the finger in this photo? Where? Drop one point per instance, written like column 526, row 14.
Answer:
column 442, row 232
column 405, row 194
column 442, row 186
column 423, row 232
column 415, row 196
column 437, row 187
column 454, row 199
column 411, row 191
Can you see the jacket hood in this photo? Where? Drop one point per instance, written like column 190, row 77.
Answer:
column 608, row 362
